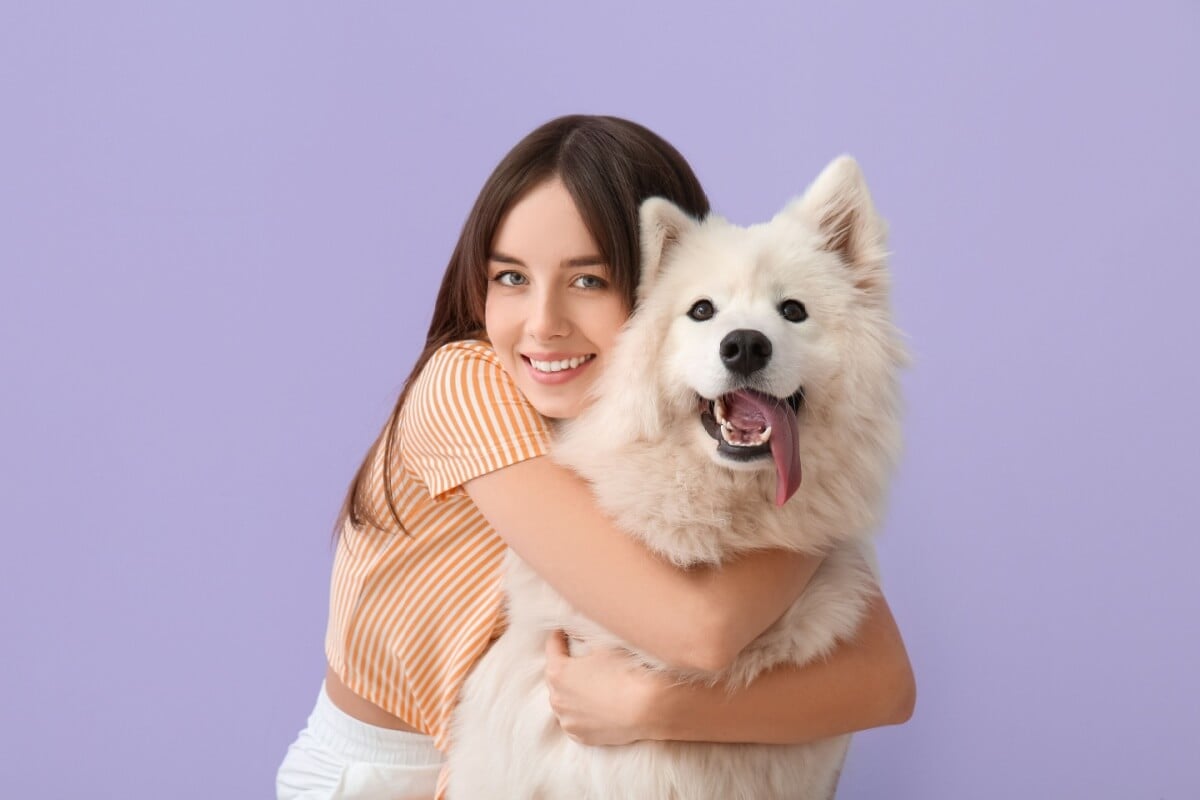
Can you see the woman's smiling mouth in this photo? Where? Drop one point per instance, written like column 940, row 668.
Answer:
column 554, row 368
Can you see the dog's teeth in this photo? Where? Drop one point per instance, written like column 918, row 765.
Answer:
column 765, row 435
column 719, row 410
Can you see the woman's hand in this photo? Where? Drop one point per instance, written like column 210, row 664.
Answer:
column 606, row 697
column 603, row 697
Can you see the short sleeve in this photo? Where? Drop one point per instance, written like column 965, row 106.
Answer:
column 464, row 417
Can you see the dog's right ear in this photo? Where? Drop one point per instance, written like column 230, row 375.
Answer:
column 663, row 224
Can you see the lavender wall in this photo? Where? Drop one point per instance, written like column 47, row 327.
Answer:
column 220, row 235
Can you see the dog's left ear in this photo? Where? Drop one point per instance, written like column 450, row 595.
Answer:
column 662, row 226
column 839, row 203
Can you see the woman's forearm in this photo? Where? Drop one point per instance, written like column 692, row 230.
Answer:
column 691, row 619
column 866, row 683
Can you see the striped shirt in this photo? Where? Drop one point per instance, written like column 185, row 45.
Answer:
column 411, row 611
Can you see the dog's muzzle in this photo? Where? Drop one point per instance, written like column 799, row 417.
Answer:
column 748, row 425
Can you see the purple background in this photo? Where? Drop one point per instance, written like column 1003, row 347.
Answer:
column 221, row 231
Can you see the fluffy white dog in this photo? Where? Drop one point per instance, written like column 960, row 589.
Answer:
column 754, row 353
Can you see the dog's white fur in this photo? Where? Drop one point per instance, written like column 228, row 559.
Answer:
column 656, row 472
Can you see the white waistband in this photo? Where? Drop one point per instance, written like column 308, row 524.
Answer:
column 361, row 741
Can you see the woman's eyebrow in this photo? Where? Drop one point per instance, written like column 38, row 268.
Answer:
column 594, row 260
column 586, row 261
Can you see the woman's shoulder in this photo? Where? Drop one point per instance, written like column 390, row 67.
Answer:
column 466, row 350
column 466, row 417
column 464, row 373
column 465, row 363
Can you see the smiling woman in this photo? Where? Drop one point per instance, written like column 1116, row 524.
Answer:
column 551, row 319
column 542, row 279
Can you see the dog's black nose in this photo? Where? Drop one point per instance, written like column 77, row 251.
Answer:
column 745, row 351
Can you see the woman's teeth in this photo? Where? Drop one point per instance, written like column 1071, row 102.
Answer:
column 558, row 366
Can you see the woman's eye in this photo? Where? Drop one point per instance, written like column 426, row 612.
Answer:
column 590, row 282
column 793, row 311
column 509, row 278
column 701, row 310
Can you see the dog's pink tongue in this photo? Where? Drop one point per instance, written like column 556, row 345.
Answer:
column 782, row 419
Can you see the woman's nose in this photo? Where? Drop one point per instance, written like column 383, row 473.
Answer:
column 548, row 318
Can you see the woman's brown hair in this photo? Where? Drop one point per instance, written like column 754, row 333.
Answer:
column 609, row 166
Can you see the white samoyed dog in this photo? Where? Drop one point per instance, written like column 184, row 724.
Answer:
column 754, row 354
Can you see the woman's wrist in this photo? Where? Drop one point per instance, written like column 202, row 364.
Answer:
column 864, row 683
column 659, row 716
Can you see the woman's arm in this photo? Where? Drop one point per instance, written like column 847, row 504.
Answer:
column 603, row 698
column 691, row 619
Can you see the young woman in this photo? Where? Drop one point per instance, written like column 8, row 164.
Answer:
column 536, row 291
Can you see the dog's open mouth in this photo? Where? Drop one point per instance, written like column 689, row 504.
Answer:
column 748, row 425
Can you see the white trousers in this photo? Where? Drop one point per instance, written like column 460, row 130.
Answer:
column 337, row 757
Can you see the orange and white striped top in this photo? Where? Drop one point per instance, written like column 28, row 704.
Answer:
column 411, row 611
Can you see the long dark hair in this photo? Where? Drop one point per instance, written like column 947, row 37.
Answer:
column 609, row 166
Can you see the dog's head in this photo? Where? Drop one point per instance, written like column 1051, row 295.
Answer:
column 751, row 333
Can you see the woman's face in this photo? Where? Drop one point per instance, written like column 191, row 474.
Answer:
column 552, row 313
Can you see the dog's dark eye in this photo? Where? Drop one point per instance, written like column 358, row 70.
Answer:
column 701, row 310
column 793, row 311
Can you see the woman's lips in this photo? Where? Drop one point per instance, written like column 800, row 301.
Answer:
column 559, row 376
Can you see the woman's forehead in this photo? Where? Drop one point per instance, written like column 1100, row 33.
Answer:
column 545, row 225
